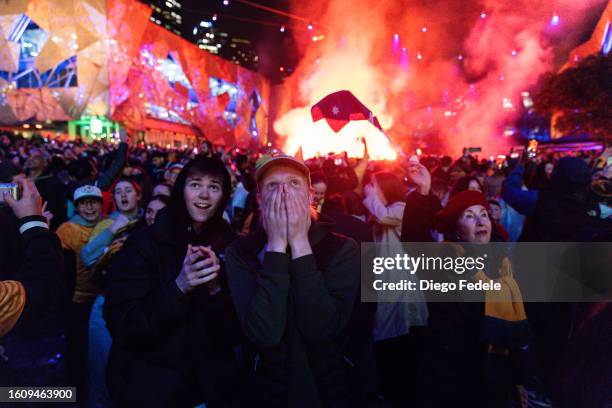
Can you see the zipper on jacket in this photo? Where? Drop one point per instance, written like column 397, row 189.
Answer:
column 256, row 362
column 349, row 362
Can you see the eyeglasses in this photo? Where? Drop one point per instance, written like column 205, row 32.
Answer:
column 90, row 202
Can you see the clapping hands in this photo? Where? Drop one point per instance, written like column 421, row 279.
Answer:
column 200, row 265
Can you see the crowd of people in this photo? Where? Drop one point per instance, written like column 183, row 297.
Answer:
column 218, row 276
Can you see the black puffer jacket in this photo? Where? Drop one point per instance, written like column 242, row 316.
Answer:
column 296, row 314
column 169, row 348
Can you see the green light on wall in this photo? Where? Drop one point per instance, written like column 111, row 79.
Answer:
column 91, row 128
column 95, row 126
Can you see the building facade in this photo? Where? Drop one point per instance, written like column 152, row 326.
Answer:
column 107, row 60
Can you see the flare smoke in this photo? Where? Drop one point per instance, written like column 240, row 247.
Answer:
column 452, row 77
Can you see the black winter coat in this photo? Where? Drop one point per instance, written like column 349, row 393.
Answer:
column 35, row 259
column 169, row 349
column 296, row 315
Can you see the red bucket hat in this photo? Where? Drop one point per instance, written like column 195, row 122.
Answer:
column 445, row 220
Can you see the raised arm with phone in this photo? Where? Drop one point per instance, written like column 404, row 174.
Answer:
column 33, row 262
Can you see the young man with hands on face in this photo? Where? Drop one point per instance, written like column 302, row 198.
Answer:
column 294, row 285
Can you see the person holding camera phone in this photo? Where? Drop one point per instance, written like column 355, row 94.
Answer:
column 35, row 267
column 31, row 268
column 167, row 306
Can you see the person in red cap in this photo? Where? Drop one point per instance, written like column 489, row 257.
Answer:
column 465, row 218
column 466, row 359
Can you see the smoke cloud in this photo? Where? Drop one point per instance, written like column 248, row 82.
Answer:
column 441, row 75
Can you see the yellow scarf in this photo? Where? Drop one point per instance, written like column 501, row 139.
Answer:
column 504, row 326
column 507, row 303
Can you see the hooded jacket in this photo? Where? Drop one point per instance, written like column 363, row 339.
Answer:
column 295, row 313
column 170, row 349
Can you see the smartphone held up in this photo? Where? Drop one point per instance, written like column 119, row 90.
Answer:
column 14, row 189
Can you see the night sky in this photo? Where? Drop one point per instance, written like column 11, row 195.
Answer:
column 273, row 47
column 276, row 49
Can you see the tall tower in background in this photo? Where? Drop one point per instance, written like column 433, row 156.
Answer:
column 240, row 51
column 167, row 13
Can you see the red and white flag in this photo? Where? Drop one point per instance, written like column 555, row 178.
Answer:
column 339, row 108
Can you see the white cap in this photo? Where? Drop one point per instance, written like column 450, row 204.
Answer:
column 87, row 191
column 178, row 166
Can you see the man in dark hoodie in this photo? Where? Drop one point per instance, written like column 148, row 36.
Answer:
column 294, row 285
column 167, row 306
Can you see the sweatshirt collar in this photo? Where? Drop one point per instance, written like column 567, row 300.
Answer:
column 77, row 219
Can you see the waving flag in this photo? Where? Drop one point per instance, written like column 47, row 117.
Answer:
column 339, row 108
